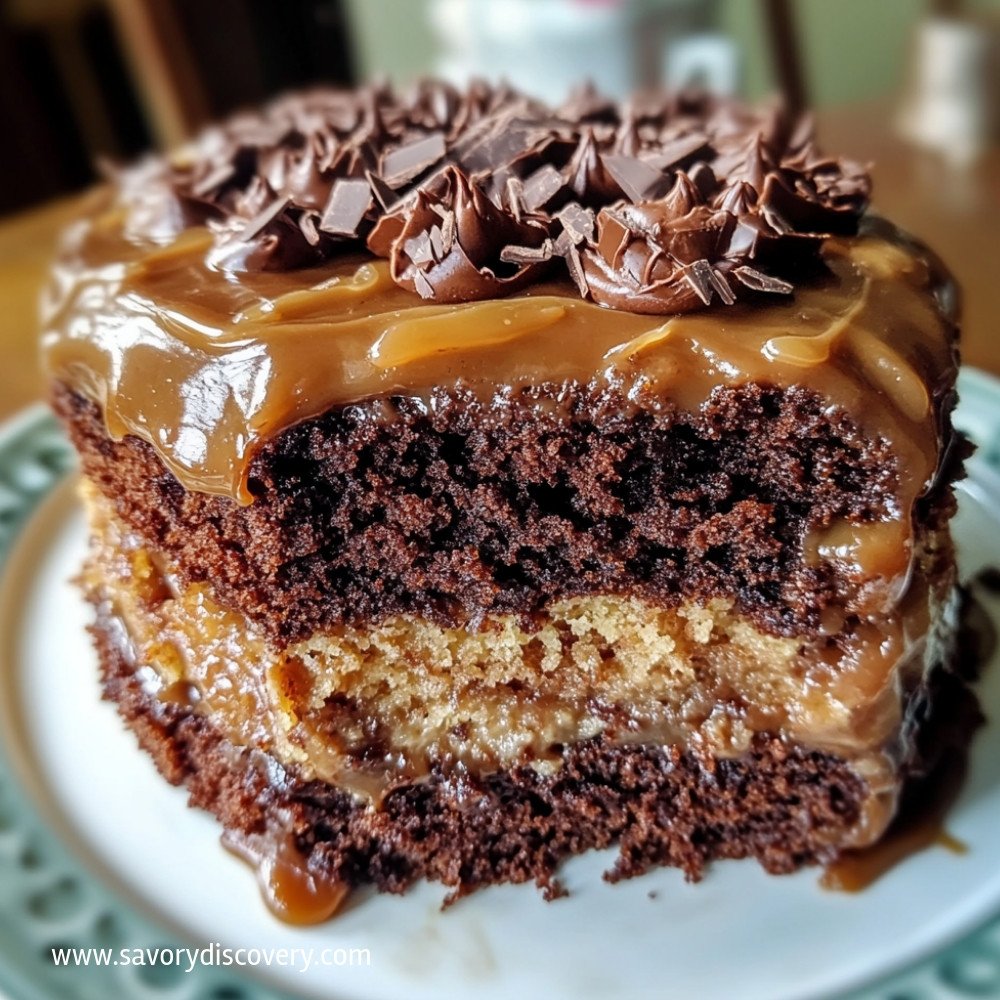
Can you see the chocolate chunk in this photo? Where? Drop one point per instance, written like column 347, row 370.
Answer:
column 578, row 222
column 639, row 180
column 307, row 223
column 349, row 203
column 262, row 219
column 541, row 187
column 527, row 255
column 420, row 249
column 384, row 195
column 698, row 276
column 437, row 243
column 411, row 160
column 506, row 142
column 676, row 152
column 614, row 238
column 423, row 287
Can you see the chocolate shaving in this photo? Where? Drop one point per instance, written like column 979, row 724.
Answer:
column 471, row 266
column 527, row 255
column 307, row 223
column 575, row 267
column 761, row 282
column 666, row 203
column 721, row 286
column 698, row 276
column 514, row 191
column 448, row 233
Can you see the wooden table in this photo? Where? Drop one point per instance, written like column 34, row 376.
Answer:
column 954, row 209
column 25, row 251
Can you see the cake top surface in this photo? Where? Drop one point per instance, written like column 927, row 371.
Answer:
column 209, row 300
column 661, row 204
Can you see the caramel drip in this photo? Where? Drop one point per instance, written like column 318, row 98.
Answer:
column 206, row 366
column 918, row 827
column 291, row 891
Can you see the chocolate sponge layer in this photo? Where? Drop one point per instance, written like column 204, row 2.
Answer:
column 459, row 509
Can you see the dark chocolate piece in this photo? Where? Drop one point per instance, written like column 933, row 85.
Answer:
column 411, row 160
column 350, row 199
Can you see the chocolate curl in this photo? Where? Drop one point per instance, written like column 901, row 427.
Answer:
column 794, row 204
column 474, row 193
column 650, row 258
column 647, row 260
column 453, row 244
column 277, row 239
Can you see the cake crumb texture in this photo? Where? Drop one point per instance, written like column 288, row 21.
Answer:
column 462, row 510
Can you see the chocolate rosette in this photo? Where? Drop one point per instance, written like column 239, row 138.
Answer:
column 678, row 253
column 447, row 243
column 664, row 203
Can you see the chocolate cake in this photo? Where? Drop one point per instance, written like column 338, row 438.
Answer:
column 473, row 483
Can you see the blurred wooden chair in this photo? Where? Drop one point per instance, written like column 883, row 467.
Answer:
column 155, row 50
column 779, row 26
column 82, row 79
column 162, row 66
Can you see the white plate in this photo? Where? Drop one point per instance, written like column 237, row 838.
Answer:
column 739, row 933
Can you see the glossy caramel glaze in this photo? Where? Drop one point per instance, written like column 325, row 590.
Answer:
column 207, row 365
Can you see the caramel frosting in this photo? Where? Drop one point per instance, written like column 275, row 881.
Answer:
column 662, row 204
column 207, row 365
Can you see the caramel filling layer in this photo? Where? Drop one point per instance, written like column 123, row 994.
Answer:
column 367, row 709
column 206, row 365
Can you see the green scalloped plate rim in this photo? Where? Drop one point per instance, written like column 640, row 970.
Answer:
column 50, row 899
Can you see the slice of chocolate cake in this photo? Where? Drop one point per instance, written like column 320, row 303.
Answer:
column 474, row 483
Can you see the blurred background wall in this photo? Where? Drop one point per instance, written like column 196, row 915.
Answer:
column 85, row 79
